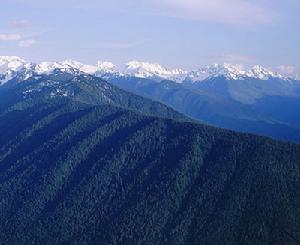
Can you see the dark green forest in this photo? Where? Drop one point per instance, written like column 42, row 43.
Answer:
column 82, row 162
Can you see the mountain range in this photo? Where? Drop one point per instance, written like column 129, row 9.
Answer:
column 85, row 162
column 257, row 100
column 10, row 66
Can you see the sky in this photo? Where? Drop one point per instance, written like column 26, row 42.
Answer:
column 176, row 33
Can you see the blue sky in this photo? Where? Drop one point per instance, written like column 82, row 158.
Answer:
column 176, row 33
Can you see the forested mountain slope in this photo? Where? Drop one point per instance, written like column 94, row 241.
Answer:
column 83, row 88
column 73, row 171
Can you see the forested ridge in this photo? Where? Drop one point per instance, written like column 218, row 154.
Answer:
column 75, row 170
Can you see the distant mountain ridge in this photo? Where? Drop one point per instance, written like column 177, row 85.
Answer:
column 12, row 66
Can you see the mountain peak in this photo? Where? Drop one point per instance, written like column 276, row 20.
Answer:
column 11, row 65
column 145, row 65
column 105, row 65
column 147, row 69
column 227, row 70
column 232, row 72
column 49, row 67
column 262, row 73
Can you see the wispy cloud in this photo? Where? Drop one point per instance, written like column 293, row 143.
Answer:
column 241, row 12
column 27, row 43
column 19, row 24
column 10, row 37
column 21, row 41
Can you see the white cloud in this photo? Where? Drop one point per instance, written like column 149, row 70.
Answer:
column 27, row 43
column 20, row 24
column 242, row 12
column 10, row 37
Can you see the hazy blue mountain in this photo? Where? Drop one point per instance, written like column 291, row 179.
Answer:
column 83, row 162
column 266, row 107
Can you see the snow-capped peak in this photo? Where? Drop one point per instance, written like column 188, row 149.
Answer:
column 262, row 73
column 45, row 67
column 149, row 67
column 72, row 65
column 146, row 70
column 11, row 66
column 232, row 72
column 229, row 71
column 49, row 67
column 13, row 63
column 105, row 66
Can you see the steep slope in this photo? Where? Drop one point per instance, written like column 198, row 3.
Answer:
column 78, row 174
column 78, row 171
